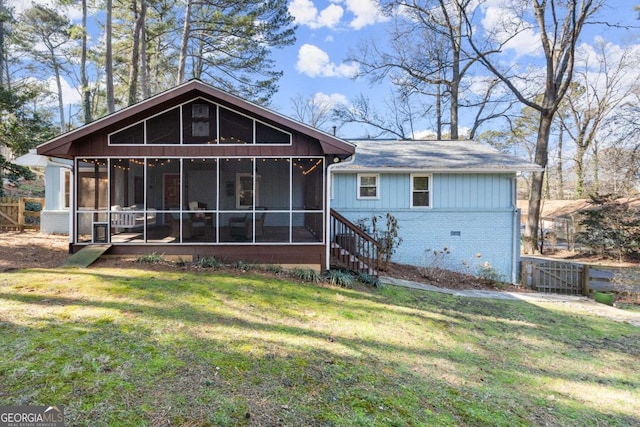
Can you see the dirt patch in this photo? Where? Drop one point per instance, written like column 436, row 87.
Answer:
column 39, row 250
column 32, row 250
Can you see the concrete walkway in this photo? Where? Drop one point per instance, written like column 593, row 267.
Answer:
column 579, row 302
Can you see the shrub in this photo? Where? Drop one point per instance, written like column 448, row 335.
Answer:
column 306, row 274
column 369, row 279
column 388, row 238
column 437, row 263
column 152, row 258
column 340, row 278
column 610, row 228
column 209, row 262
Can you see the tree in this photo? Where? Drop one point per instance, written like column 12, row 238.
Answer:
column 427, row 55
column 108, row 59
column 600, row 87
column 611, row 227
column 314, row 110
column 43, row 26
column 229, row 42
column 559, row 23
column 396, row 119
column 21, row 129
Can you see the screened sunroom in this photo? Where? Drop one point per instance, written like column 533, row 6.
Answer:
column 204, row 200
column 197, row 171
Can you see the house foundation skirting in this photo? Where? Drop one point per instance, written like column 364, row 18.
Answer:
column 308, row 256
column 54, row 222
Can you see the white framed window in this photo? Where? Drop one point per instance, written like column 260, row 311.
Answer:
column 420, row 191
column 368, row 186
column 67, row 188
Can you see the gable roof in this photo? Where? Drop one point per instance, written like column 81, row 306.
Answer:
column 433, row 156
column 194, row 88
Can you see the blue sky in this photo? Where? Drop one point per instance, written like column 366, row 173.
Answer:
column 329, row 29
column 316, row 65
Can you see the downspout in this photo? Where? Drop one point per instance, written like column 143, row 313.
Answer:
column 72, row 192
column 515, row 250
column 327, row 226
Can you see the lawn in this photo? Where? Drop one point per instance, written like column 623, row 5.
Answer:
column 136, row 347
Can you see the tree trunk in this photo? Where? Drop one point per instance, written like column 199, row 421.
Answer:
column 111, row 101
column 537, row 183
column 144, row 80
column 84, row 82
column 186, row 30
column 56, row 70
column 2, row 63
column 560, row 175
column 580, row 189
column 455, row 89
column 135, row 56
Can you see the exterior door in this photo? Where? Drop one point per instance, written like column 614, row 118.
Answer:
column 171, row 190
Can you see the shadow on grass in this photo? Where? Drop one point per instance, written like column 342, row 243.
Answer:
column 226, row 350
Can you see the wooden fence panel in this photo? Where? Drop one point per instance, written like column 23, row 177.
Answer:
column 552, row 276
column 618, row 279
column 15, row 215
column 567, row 277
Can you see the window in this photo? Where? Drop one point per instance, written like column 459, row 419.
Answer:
column 164, row 128
column 200, row 122
column 67, row 188
column 368, row 186
column 420, row 191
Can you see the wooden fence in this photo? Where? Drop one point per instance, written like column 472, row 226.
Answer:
column 19, row 214
column 566, row 277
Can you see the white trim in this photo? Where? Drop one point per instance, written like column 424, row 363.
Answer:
column 430, row 170
column 377, row 186
column 429, row 190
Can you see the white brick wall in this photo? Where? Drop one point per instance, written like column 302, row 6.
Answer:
column 485, row 232
column 54, row 222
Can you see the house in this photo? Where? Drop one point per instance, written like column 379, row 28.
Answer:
column 197, row 171
column 54, row 218
column 455, row 201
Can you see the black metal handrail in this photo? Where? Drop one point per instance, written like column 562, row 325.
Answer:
column 352, row 248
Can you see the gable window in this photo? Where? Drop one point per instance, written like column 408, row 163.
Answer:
column 420, row 191
column 200, row 122
column 368, row 186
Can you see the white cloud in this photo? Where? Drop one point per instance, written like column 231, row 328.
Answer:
column 74, row 14
column 305, row 13
column 367, row 12
column 315, row 62
column 329, row 100
column 506, row 27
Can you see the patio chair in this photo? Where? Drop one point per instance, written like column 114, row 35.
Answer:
column 242, row 226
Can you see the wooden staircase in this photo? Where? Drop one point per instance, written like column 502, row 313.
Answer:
column 352, row 248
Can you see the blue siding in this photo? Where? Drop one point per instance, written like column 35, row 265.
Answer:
column 478, row 207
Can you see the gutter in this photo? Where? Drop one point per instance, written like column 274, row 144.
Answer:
column 327, row 226
column 515, row 250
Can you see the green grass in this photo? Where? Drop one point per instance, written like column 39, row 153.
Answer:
column 128, row 347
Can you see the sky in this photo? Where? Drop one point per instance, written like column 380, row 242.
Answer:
column 329, row 29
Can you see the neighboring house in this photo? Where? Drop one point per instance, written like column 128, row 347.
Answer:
column 197, row 171
column 54, row 218
column 455, row 198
